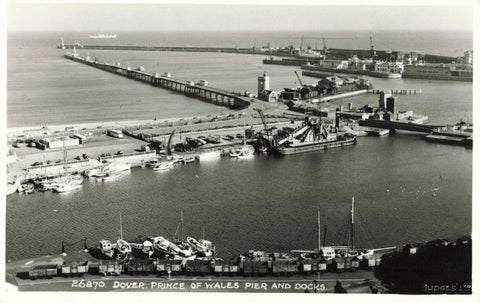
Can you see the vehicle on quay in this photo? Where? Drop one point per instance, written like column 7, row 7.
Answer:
column 115, row 133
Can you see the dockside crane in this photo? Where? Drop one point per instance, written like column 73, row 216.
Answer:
column 260, row 112
column 299, row 80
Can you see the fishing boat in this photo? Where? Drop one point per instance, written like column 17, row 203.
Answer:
column 163, row 166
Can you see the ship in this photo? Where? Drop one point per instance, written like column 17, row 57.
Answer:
column 337, row 70
column 439, row 72
column 313, row 136
column 103, row 36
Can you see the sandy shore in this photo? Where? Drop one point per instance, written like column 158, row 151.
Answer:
column 15, row 131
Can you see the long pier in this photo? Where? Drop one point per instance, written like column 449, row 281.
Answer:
column 189, row 88
column 393, row 125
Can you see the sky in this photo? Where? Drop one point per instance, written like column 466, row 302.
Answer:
column 208, row 17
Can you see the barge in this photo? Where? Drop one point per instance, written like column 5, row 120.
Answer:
column 313, row 136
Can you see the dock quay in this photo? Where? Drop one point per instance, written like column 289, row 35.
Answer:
column 188, row 88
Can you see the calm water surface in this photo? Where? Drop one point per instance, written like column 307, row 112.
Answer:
column 405, row 189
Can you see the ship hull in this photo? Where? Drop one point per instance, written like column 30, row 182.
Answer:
column 315, row 146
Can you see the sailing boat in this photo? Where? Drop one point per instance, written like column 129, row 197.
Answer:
column 66, row 183
column 331, row 252
column 246, row 151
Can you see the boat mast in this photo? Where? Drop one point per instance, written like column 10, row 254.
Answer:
column 181, row 222
column 353, row 224
column 319, row 232
column 121, row 229
column 244, row 132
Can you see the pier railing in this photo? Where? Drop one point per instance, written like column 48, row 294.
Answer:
column 189, row 88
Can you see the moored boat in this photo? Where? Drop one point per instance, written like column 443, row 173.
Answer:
column 67, row 187
column 163, row 166
column 209, row 155
column 377, row 131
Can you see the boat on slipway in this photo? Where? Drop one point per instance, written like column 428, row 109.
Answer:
column 313, row 136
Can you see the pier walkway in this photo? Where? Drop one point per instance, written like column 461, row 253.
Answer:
column 189, row 88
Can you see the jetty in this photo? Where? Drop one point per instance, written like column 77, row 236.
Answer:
column 200, row 90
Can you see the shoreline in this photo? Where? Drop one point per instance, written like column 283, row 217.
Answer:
column 15, row 131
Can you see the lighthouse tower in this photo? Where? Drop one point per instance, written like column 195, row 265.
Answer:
column 263, row 83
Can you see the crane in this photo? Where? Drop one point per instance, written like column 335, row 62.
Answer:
column 260, row 112
column 299, row 80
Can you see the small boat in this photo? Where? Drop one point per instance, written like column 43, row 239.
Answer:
column 209, row 155
column 163, row 166
column 11, row 188
column 245, row 152
column 377, row 131
column 188, row 159
column 27, row 188
column 110, row 176
column 152, row 163
column 67, row 187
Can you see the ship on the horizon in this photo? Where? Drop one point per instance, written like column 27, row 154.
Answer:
column 103, row 36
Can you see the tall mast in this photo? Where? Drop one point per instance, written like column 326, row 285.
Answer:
column 319, row 232
column 181, row 221
column 121, row 229
column 353, row 223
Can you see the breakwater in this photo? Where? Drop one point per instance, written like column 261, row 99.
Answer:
column 234, row 50
column 189, row 88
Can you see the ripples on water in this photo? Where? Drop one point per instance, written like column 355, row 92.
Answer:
column 265, row 203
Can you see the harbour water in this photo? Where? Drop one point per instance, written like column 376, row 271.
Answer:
column 406, row 190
